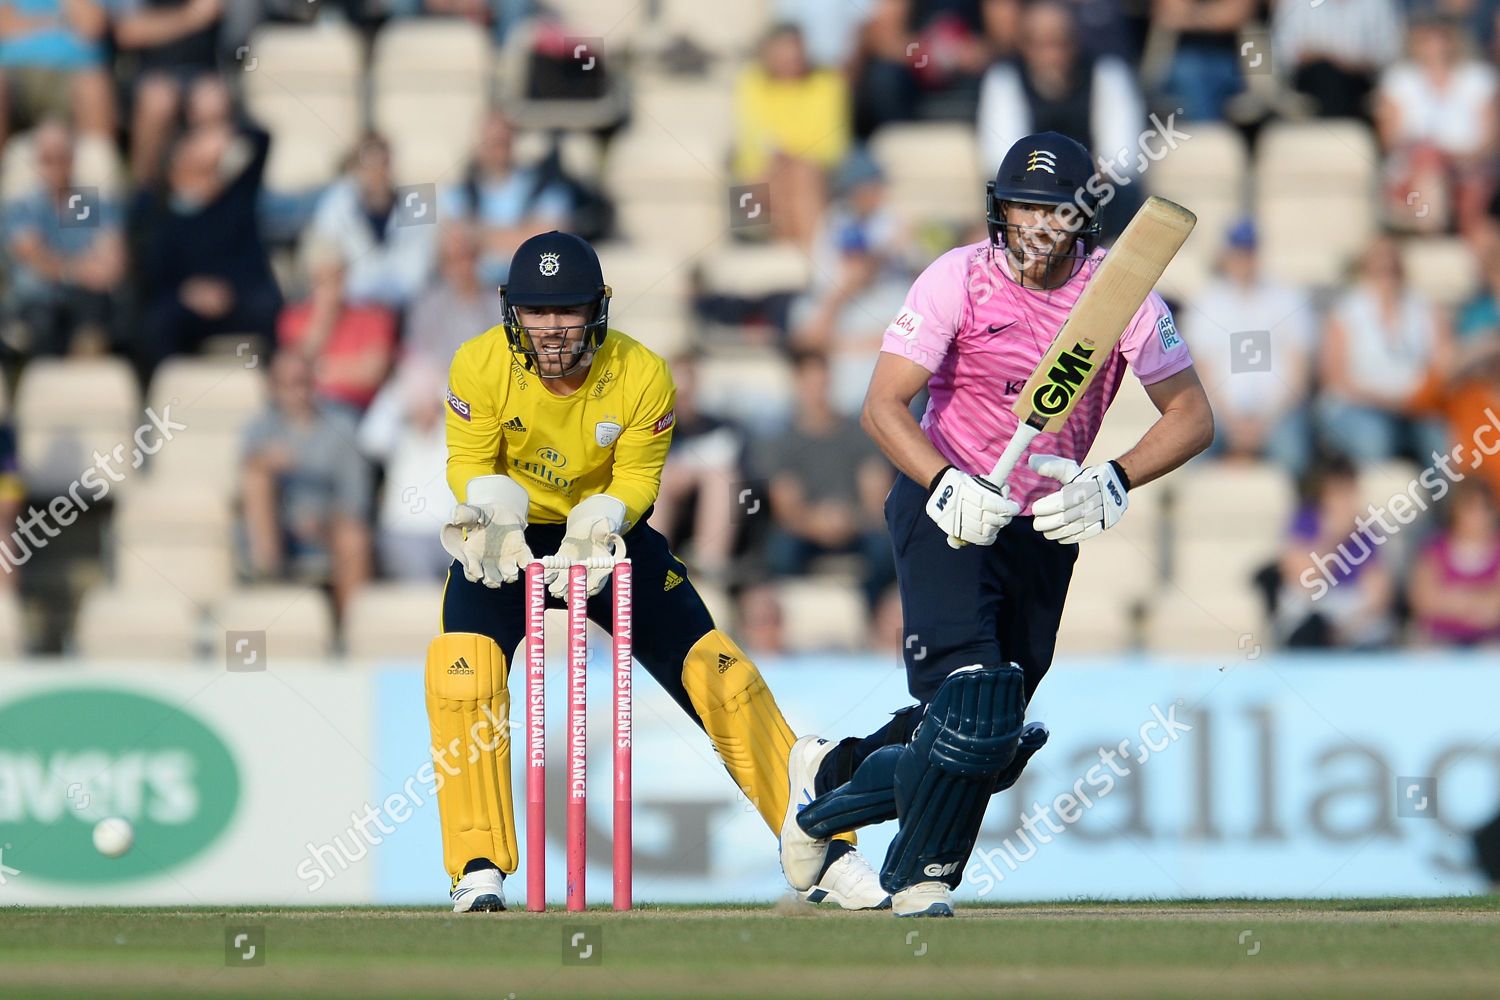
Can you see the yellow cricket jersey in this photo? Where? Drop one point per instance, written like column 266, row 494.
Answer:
column 610, row 436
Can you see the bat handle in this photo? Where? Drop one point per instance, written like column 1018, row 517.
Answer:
column 1019, row 442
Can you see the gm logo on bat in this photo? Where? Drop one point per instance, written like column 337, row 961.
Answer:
column 1056, row 394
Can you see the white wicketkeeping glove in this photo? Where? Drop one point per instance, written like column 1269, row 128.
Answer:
column 969, row 508
column 1091, row 500
column 487, row 535
column 594, row 528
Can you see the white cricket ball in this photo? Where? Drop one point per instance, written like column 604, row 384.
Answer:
column 113, row 836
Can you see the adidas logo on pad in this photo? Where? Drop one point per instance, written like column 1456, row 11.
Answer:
column 725, row 662
column 460, row 666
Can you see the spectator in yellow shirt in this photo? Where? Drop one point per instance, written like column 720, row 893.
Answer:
column 792, row 126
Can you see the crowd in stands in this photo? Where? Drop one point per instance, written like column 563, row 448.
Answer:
column 144, row 217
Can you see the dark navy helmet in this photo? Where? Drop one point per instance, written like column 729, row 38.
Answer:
column 554, row 270
column 1046, row 168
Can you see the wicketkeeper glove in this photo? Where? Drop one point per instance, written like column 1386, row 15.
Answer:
column 969, row 509
column 487, row 535
column 1092, row 500
column 593, row 531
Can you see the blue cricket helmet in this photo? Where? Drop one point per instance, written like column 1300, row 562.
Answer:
column 1045, row 168
column 551, row 270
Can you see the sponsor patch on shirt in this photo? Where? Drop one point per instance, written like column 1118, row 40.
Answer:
column 908, row 323
column 458, row 406
column 1167, row 331
column 664, row 422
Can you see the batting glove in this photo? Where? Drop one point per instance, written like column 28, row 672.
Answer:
column 593, row 531
column 487, row 535
column 969, row 509
column 1092, row 500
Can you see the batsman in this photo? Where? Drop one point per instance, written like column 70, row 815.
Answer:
column 984, row 560
column 557, row 430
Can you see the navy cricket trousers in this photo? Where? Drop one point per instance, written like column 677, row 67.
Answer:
column 992, row 604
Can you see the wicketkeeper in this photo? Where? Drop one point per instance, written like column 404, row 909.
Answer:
column 985, row 614
column 557, row 431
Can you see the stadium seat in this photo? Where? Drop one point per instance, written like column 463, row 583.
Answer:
column 932, row 169
column 217, row 398
column 68, row 409
column 304, row 84
column 823, row 616
column 216, row 394
column 1208, row 174
column 430, row 83
column 751, row 271
column 199, row 572
column 146, row 624
column 1095, row 624
column 1315, row 177
column 725, row 30
column 582, row 154
column 1443, row 268
column 297, row 621
column 12, row 626
column 1233, row 500
column 1211, row 602
column 651, row 294
column 1227, row 626
column 96, row 164
column 392, row 621
column 617, row 22
column 163, row 512
column 752, row 388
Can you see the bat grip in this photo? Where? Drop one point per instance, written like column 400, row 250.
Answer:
column 1019, row 442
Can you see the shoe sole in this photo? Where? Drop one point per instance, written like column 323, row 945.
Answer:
column 817, row 895
column 487, row 903
column 932, row 910
column 789, row 821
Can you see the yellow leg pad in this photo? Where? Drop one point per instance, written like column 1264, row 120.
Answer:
column 741, row 717
column 468, row 710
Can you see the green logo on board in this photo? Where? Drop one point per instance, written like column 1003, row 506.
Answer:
column 70, row 758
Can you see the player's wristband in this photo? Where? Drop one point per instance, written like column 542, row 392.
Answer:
column 932, row 486
column 1120, row 474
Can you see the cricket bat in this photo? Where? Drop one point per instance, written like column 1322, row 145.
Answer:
column 1114, row 294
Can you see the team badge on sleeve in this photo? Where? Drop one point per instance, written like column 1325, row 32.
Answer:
column 606, row 432
column 458, row 406
column 1167, row 330
column 665, row 422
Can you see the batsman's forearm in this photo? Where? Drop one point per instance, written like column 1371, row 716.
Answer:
column 896, row 432
column 1177, row 436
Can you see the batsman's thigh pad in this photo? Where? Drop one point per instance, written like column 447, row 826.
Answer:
column 741, row 717
column 945, row 776
column 868, row 797
column 468, row 710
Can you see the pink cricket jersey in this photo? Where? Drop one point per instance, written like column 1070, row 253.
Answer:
column 982, row 335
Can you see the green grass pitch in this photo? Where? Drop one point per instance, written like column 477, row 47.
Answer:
column 1225, row 948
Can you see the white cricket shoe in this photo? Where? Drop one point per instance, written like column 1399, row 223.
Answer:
column 480, row 891
column 850, row 882
column 925, row 899
column 802, row 856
